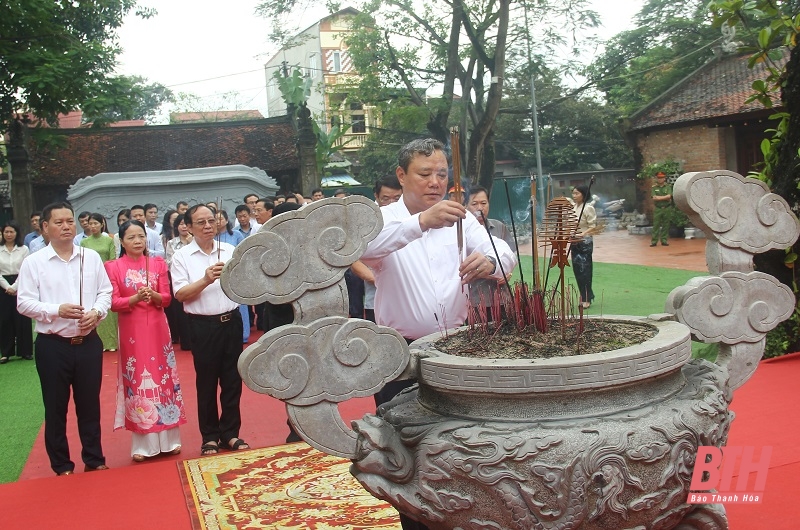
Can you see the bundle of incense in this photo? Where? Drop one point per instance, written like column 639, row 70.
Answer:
column 455, row 145
column 219, row 232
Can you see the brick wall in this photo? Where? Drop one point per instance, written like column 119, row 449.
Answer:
column 698, row 147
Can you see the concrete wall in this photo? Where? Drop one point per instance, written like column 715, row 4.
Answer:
column 108, row 193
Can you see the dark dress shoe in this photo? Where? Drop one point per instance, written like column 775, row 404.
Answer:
column 101, row 467
column 68, row 472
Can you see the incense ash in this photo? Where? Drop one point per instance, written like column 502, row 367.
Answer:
column 509, row 342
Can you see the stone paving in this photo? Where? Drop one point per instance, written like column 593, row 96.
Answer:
column 620, row 247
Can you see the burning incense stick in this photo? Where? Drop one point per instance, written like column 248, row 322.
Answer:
column 455, row 145
column 80, row 296
column 219, row 232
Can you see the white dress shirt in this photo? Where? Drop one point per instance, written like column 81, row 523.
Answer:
column 189, row 264
column 154, row 244
column 416, row 272
column 46, row 281
column 10, row 262
column 157, row 227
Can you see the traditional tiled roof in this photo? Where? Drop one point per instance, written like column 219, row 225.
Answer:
column 268, row 144
column 718, row 89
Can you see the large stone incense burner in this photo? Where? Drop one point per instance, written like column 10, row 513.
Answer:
column 601, row 441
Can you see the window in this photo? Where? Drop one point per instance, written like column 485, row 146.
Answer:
column 337, row 61
column 358, row 125
column 312, row 65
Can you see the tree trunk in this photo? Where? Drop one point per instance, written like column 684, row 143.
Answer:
column 21, row 187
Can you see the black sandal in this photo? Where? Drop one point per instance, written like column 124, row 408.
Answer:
column 209, row 448
column 236, row 445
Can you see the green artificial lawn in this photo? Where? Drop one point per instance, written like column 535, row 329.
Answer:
column 619, row 290
column 21, row 415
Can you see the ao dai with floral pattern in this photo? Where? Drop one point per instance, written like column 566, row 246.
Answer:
column 149, row 396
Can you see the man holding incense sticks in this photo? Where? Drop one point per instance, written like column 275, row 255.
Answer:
column 419, row 274
column 215, row 327
column 65, row 289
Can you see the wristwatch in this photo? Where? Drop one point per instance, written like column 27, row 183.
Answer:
column 493, row 262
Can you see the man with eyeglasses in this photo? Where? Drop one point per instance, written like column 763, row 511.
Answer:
column 215, row 327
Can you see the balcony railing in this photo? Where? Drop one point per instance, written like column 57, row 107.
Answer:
column 352, row 141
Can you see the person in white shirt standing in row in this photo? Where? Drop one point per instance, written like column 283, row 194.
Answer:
column 65, row 289
column 215, row 326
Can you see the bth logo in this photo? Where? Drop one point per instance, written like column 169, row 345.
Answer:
column 715, row 469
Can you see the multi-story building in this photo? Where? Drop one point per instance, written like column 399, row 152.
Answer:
column 320, row 53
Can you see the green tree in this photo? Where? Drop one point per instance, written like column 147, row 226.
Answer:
column 576, row 130
column 460, row 46
column 132, row 98
column 672, row 38
column 56, row 57
column 771, row 27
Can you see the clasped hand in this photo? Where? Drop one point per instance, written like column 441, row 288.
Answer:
column 87, row 320
column 145, row 294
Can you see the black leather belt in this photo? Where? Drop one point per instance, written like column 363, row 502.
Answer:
column 73, row 341
column 222, row 317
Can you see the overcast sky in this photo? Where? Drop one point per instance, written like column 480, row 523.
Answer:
column 208, row 47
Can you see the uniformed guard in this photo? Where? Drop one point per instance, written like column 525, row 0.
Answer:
column 662, row 199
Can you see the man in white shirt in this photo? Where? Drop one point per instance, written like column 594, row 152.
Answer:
column 151, row 216
column 215, row 325
column 154, row 244
column 65, row 289
column 415, row 257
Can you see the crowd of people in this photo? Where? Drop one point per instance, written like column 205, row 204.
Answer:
column 153, row 285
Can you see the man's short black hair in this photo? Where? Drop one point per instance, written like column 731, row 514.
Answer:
column 389, row 181
column 47, row 210
column 243, row 208
column 268, row 204
column 150, row 206
column 478, row 189
column 34, row 214
column 250, row 195
column 316, row 190
column 84, row 214
column 181, row 203
column 138, row 207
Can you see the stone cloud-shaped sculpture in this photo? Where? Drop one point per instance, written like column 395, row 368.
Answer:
column 323, row 357
column 736, row 307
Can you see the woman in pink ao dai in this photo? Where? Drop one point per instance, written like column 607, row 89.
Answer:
column 149, row 399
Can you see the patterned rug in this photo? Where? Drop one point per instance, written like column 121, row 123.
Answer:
column 289, row 487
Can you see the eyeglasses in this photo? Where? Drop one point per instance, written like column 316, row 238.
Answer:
column 204, row 222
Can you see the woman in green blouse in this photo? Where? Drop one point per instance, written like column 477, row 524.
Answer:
column 103, row 244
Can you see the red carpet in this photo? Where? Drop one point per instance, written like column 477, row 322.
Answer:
column 150, row 494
